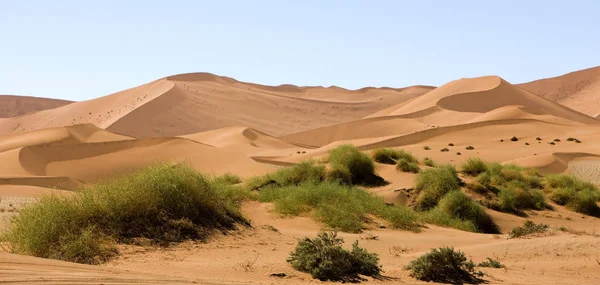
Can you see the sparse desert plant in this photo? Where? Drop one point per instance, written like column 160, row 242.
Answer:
column 338, row 206
column 458, row 205
column 514, row 139
column 514, row 200
column 528, row 228
column 444, row 149
column 557, row 140
column 470, row 147
column 325, row 259
column 577, row 141
column 526, row 143
column 349, row 163
column 450, row 144
column 429, row 162
column 164, row 203
column 491, row 263
column 501, row 140
column 426, row 147
column 444, row 265
column 473, row 166
column 432, row 184
column 390, row 156
column 571, row 139
column 407, row 166
column 552, row 143
column 458, row 153
column 538, row 139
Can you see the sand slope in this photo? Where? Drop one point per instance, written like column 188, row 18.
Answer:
column 13, row 106
column 191, row 103
column 579, row 90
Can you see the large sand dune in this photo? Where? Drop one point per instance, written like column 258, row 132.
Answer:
column 218, row 124
column 579, row 90
column 13, row 106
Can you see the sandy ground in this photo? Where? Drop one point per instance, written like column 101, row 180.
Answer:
column 218, row 125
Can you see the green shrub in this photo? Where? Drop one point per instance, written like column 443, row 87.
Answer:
column 473, row 167
column 556, row 140
column 444, row 265
column 492, row 263
column 444, row 149
column 501, row 140
column 571, row 139
column 350, row 162
column 229, row 178
column 538, row 139
column 429, row 162
column 306, row 171
column 390, row 156
column 526, row 143
column 407, row 166
column 458, row 153
column 578, row 195
column 450, row 144
column 432, row 184
column 338, row 206
column 577, row 141
column 426, row 147
column 552, row 143
column 515, row 200
column 470, row 147
column 436, row 216
column 528, row 228
column 325, row 259
column 166, row 203
column 514, row 139
column 460, row 206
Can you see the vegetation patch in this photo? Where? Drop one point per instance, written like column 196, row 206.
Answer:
column 429, row 162
column 325, row 259
column 338, row 206
column 470, row 147
column 351, row 166
column 407, row 166
column 473, row 167
column 426, row 147
column 445, row 265
column 391, row 156
column 514, row 139
column 491, row 263
column 459, row 206
column 528, row 228
column 432, row 184
column 444, row 149
column 574, row 193
column 162, row 204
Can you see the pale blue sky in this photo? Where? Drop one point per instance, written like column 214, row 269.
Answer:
column 84, row 49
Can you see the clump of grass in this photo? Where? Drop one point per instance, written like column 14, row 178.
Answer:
column 164, row 204
column 578, row 195
column 432, row 184
column 501, row 140
column 470, row 147
column 407, row 166
column 450, row 144
column 571, row 139
column 514, row 200
column 429, row 162
column 444, row 265
column 293, row 175
column 577, row 141
column 426, row 147
column 526, row 143
column 325, row 259
column 458, row 153
column 552, row 143
column 528, row 228
column 491, row 263
column 473, row 167
column 340, row 207
column 538, row 139
column 229, row 178
column 349, row 165
column 514, row 139
column 557, row 140
column 444, row 149
column 457, row 205
column 390, row 156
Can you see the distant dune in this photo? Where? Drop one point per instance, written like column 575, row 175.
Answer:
column 579, row 90
column 12, row 105
column 190, row 103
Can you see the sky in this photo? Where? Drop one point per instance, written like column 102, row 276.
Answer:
column 78, row 50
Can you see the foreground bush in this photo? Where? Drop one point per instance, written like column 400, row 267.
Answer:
column 390, row 156
column 325, row 259
column 578, row 195
column 514, row 200
column 351, row 166
column 432, row 184
column 444, row 265
column 167, row 203
column 407, row 166
column 528, row 228
column 340, row 207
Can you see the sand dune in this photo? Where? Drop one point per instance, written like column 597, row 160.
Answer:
column 579, row 90
column 13, row 106
column 191, row 103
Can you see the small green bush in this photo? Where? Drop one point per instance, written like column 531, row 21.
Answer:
column 407, row 166
column 538, row 139
column 426, row 147
column 428, row 162
column 164, row 204
column 444, row 265
column 571, row 139
column 552, row 143
column 526, row 143
column 515, row 200
column 473, row 167
column 577, row 141
column 470, row 147
column 492, row 263
column 528, row 228
column 578, row 195
column 351, row 163
column 432, row 184
column 458, row 205
column 450, row 144
column 458, row 153
column 514, row 139
column 390, row 156
column 557, row 140
column 444, row 149
column 436, row 216
column 325, row 259
column 501, row 140
column 306, row 171
column 340, row 207
column 229, row 178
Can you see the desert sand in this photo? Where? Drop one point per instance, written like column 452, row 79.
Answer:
column 219, row 125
